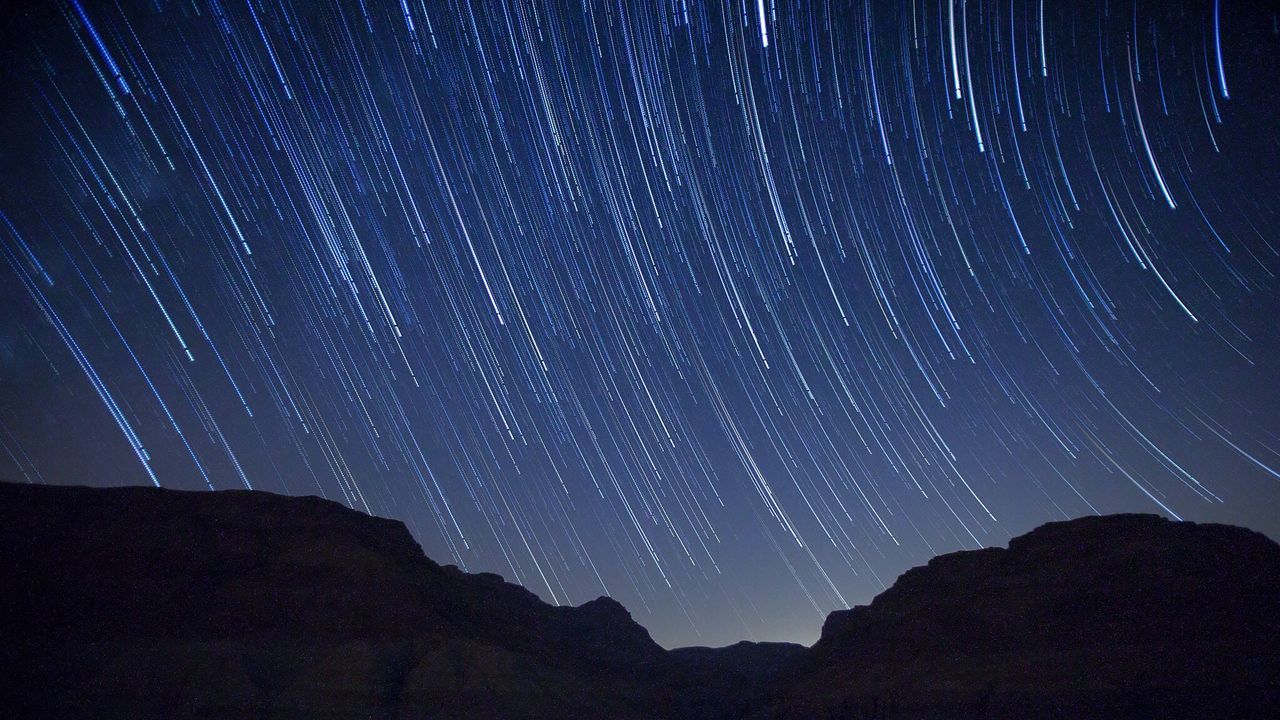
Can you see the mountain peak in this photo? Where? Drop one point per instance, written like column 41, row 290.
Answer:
column 605, row 605
column 1139, row 595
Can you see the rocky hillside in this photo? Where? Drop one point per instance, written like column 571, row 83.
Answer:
column 1116, row 616
column 139, row 602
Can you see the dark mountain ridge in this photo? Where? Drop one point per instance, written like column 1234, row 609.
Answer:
column 1112, row 616
column 140, row 602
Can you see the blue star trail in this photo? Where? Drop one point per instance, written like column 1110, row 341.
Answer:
column 730, row 311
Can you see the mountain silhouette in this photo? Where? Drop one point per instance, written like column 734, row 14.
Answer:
column 143, row 602
column 1120, row 616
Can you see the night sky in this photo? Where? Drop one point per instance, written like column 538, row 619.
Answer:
column 730, row 311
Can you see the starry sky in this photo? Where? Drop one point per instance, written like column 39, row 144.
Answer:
column 733, row 311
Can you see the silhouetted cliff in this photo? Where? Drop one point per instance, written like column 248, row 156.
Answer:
column 138, row 602
column 1115, row 616
column 129, row 602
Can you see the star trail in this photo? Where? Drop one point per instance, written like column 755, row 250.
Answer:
column 730, row 311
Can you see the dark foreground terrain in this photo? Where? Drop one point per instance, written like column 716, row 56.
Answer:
column 146, row 603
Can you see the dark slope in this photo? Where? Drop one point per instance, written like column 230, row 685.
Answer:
column 137, row 602
column 1117, row 616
